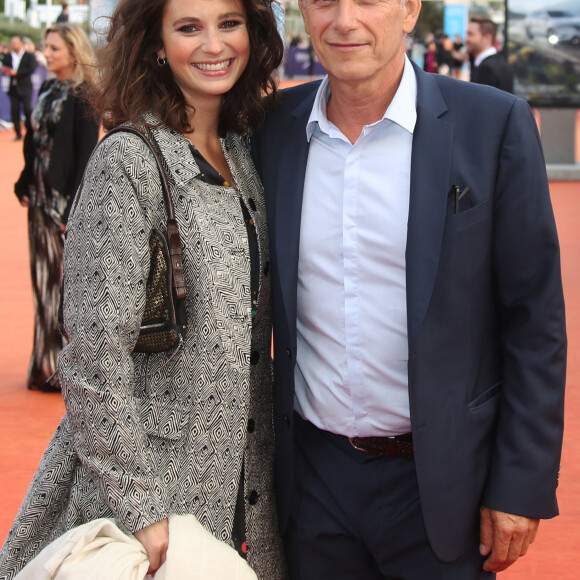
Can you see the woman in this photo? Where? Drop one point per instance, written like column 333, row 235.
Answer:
column 186, row 432
column 459, row 56
column 56, row 152
column 430, row 65
column 444, row 56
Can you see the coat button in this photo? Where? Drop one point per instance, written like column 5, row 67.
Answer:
column 289, row 353
column 251, row 425
column 254, row 357
column 286, row 420
column 253, row 499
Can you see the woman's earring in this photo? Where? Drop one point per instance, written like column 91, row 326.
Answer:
column 161, row 61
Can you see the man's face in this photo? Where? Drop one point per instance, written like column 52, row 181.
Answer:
column 359, row 40
column 476, row 42
column 15, row 44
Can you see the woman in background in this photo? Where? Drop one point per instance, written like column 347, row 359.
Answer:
column 430, row 65
column 56, row 152
column 190, row 431
column 459, row 56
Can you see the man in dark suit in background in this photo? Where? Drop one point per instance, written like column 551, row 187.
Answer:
column 19, row 65
column 63, row 16
column 419, row 335
column 488, row 65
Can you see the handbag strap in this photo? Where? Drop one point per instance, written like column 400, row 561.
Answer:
column 174, row 239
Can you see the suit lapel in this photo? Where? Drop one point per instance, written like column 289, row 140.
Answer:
column 290, row 188
column 430, row 170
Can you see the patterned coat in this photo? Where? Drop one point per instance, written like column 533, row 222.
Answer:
column 149, row 435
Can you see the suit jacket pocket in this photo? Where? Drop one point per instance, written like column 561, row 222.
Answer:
column 485, row 398
column 165, row 418
column 464, row 219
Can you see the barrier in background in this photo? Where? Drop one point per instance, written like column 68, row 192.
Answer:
column 297, row 63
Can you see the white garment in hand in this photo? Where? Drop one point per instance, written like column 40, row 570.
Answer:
column 195, row 553
column 99, row 550
column 96, row 550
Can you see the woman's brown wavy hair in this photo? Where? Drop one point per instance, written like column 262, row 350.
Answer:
column 131, row 82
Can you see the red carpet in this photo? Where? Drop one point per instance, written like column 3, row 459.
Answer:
column 27, row 419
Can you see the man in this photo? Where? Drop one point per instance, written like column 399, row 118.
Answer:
column 419, row 339
column 63, row 16
column 19, row 65
column 488, row 66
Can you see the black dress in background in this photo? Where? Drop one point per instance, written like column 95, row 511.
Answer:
column 56, row 152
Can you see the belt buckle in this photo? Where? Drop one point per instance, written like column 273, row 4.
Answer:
column 352, row 442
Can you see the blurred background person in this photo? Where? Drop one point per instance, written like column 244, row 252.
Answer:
column 30, row 46
column 431, row 65
column 19, row 65
column 63, row 16
column 56, row 151
column 445, row 56
column 488, row 66
column 459, row 55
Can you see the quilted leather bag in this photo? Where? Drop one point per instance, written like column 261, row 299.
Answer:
column 164, row 322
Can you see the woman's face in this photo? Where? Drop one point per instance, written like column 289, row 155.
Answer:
column 59, row 59
column 206, row 45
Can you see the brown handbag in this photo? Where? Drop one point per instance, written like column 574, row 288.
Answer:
column 164, row 322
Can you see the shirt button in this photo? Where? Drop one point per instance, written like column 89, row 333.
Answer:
column 254, row 357
column 251, row 425
column 253, row 499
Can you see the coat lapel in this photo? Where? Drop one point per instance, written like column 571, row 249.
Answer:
column 290, row 185
column 430, row 170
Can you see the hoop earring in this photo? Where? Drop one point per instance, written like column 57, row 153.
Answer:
column 161, row 61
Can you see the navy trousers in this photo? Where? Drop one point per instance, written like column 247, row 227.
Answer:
column 357, row 516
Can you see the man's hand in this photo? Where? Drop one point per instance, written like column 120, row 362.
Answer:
column 155, row 539
column 505, row 538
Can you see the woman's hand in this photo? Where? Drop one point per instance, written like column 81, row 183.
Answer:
column 155, row 539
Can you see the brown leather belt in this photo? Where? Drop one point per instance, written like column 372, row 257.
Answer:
column 399, row 446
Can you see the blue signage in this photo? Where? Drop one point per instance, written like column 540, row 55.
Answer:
column 455, row 20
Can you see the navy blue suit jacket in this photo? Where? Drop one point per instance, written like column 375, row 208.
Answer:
column 487, row 343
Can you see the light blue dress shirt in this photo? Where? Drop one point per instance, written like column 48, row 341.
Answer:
column 352, row 357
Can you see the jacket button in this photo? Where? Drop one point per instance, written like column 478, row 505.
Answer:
column 253, row 499
column 254, row 357
column 289, row 353
column 286, row 420
column 251, row 425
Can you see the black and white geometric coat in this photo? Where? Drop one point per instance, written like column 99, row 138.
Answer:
column 145, row 436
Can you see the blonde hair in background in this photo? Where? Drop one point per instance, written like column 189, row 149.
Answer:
column 80, row 47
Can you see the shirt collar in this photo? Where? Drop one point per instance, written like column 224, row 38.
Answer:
column 402, row 110
column 483, row 55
